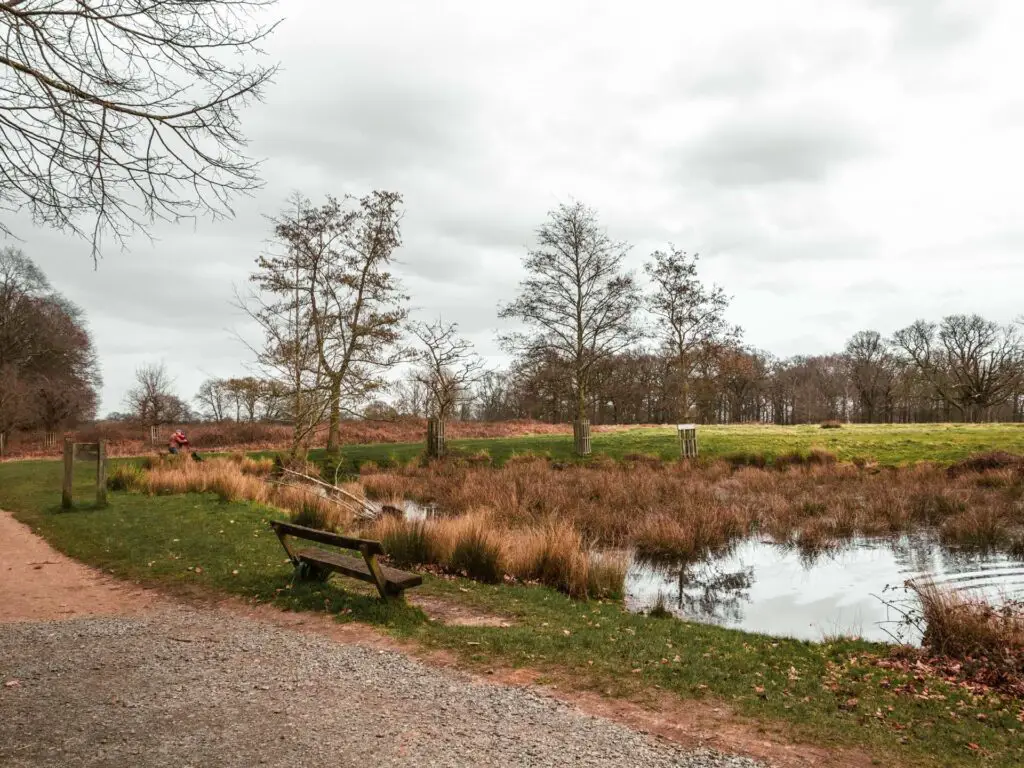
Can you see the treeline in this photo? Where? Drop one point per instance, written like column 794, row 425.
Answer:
column 963, row 368
column 49, row 374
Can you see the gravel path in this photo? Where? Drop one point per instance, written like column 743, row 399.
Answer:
column 189, row 687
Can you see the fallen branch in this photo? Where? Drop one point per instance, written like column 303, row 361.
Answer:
column 367, row 507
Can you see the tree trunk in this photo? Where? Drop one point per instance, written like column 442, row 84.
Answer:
column 334, row 426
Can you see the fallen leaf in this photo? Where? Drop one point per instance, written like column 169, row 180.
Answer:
column 12, row 684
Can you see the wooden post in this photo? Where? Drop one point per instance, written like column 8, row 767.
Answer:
column 66, row 500
column 581, row 437
column 435, row 438
column 101, row 473
column 3, row 441
column 152, row 435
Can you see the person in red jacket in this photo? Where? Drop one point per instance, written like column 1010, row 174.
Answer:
column 178, row 441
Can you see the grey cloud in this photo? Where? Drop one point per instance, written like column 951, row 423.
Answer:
column 758, row 64
column 801, row 146
column 933, row 25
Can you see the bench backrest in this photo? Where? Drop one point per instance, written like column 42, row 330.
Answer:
column 325, row 537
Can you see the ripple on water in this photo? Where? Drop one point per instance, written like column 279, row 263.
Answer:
column 762, row 586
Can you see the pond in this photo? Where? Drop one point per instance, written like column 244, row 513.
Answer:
column 775, row 589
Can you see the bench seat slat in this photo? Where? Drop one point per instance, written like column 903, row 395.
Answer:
column 356, row 568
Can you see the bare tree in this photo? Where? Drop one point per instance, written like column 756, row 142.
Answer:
column 577, row 302
column 126, row 111
column 691, row 317
column 152, row 399
column 447, row 366
column 871, row 367
column 288, row 355
column 214, row 398
column 410, row 396
column 971, row 362
column 355, row 305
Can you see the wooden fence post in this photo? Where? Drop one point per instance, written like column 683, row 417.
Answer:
column 66, row 499
column 581, row 437
column 101, row 473
column 3, row 441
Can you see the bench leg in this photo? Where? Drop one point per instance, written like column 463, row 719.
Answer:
column 375, row 571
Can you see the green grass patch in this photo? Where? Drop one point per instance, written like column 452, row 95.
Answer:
column 892, row 444
column 831, row 694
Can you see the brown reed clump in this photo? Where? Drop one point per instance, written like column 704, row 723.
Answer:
column 981, row 528
column 553, row 554
column 969, row 628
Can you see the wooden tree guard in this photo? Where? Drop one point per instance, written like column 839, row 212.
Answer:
column 688, row 440
column 435, row 438
column 84, row 452
column 152, row 435
column 581, row 437
column 50, row 440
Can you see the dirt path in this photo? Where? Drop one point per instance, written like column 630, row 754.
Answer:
column 38, row 584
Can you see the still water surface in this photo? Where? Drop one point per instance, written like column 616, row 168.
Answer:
column 762, row 586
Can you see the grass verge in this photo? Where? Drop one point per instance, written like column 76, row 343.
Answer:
column 841, row 693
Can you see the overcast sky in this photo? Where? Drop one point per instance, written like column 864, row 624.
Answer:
column 838, row 166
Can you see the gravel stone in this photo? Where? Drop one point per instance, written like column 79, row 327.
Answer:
column 190, row 687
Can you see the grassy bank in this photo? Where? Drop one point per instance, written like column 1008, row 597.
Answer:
column 838, row 693
column 887, row 444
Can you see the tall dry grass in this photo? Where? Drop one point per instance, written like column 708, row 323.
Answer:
column 477, row 546
column 684, row 510
column 969, row 628
column 235, row 479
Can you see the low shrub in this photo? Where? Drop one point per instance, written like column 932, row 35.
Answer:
column 831, row 424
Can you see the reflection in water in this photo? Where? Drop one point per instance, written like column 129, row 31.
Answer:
column 784, row 590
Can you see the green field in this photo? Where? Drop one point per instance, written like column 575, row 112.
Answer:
column 886, row 444
column 829, row 693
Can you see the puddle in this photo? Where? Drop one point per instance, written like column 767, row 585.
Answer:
column 407, row 508
column 761, row 586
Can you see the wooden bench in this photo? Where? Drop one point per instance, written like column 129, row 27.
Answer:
column 316, row 564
